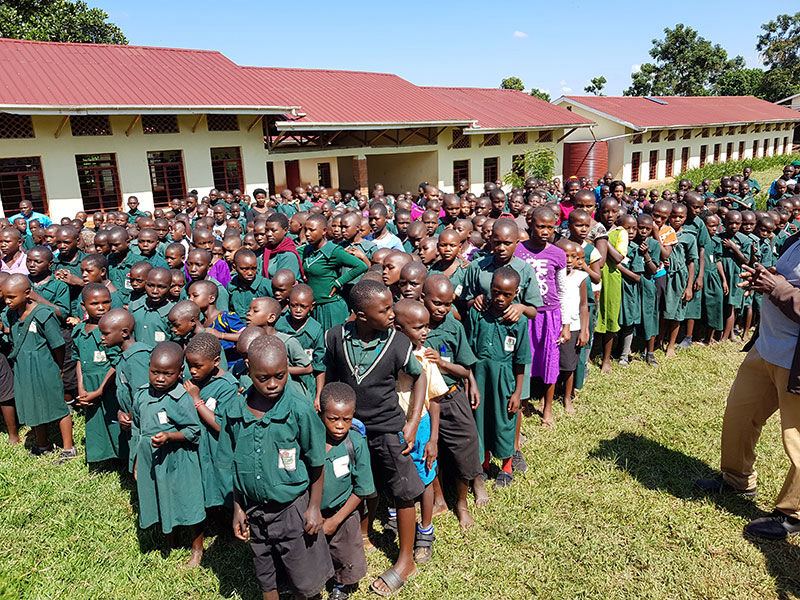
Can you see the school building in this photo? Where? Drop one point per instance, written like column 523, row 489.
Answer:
column 82, row 126
column 644, row 139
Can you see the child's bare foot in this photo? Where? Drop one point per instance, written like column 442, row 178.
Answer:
column 369, row 547
column 465, row 519
column 670, row 353
column 481, row 496
column 548, row 423
column 197, row 556
column 13, row 440
column 539, row 407
column 605, row 369
column 569, row 408
column 439, row 509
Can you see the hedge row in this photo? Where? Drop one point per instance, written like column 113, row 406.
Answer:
column 717, row 170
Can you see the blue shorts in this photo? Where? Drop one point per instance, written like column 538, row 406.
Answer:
column 418, row 451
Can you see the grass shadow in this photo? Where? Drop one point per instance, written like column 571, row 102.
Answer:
column 657, row 467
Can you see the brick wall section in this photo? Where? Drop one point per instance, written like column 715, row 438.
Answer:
column 360, row 174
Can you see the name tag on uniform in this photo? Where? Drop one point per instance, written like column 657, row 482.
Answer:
column 211, row 403
column 341, row 466
column 446, row 358
column 162, row 417
column 711, row 257
column 458, row 290
column 122, row 377
column 128, row 285
column 309, row 353
column 287, row 459
column 159, row 336
column 99, row 356
column 509, row 343
column 32, row 327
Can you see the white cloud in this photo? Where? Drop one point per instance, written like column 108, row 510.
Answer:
column 566, row 89
column 562, row 82
column 519, row 34
column 635, row 68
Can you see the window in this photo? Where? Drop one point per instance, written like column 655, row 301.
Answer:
column 90, row 125
column 717, row 152
column 741, row 151
column 729, row 152
column 517, row 165
column 757, row 129
column 742, row 129
column 775, row 146
column 22, row 179
column 226, row 168
column 671, row 135
column 687, row 134
column 669, row 161
column 636, row 159
column 546, row 136
column 766, row 146
column 705, row 132
column 99, row 181
column 490, row 169
column 166, row 176
column 520, row 137
column 460, row 140
column 460, row 171
column 786, row 148
column 222, row 122
column 160, row 124
column 684, row 159
column 15, row 126
column 703, row 152
column 732, row 130
column 637, row 139
column 655, row 137
column 719, row 131
column 755, row 148
column 324, row 174
column 653, row 165
column 491, row 139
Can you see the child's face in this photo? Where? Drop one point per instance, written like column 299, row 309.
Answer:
column 138, row 278
column 111, row 335
column 609, row 215
column 164, row 372
column 101, row 245
column 504, row 243
column 148, row 240
column 411, row 287
column 197, row 265
column 764, row 230
column 177, row 281
column 269, row 377
column 748, row 222
column 249, row 241
column 448, row 246
column 161, row 228
column 402, row 222
column 97, row 304
column 427, row 250
column 350, row 228
column 585, row 203
column 579, row 227
column 181, row 327
column 314, row 232
column 415, row 326
column 157, row 287
column 391, row 269
column 37, row 264
column 660, row 216
column 541, row 229
column 201, row 367
column 178, row 231
column 281, row 289
column 201, row 298
column 273, row 234
column 15, row 298
column 677, row 218
column 377, row 220
column 338, row 417
column 336, row 229
column 644, row 230
column 629, row 224
column 733, row 222
column 379, row 314
column 174, row 258
column 300, row 306
column 9, row 243
column 259, row 315
column 90, row 273
column 247, row 268
column 438, row 304
column 503, row 294
column 431, row 223
column 712, row 224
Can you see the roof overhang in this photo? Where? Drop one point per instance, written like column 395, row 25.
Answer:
column 564, row 100
column 28, row 109
column 479, row 130
column 792, row 97
column 306, row 126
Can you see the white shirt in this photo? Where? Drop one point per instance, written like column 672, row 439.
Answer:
column 777, row 335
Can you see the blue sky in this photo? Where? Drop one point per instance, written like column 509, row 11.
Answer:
column 555, row 45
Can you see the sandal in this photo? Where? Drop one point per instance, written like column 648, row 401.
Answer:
column 392, row 580
column 391, row 525
column 423, row 547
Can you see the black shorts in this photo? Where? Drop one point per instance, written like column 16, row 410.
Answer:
column 661, row 293
column 394, row 471
column 68, row 371
column 568, row 353
column 458, row 435
column 6, row 381
column 347, row 550
column 277, row 536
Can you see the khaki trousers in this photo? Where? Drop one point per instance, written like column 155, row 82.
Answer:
column 757, row 392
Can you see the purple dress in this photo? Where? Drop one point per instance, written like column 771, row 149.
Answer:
column 550, row 265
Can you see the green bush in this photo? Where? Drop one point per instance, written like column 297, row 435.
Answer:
column 718, row 170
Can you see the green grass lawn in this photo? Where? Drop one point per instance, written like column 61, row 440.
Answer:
column 607, row 510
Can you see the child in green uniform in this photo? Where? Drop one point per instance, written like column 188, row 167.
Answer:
column 449, row 246
column 736, row 251
column 94, row 269
column 247, row 284
column 137, row 280
column 694, row 225
column 38, row 353
column 715, row 285
column 45, row 288
column 224, row 325
column 348, row 481
column 412, row 277
column 96, row 376
column 212, row 389
column 120, row 260
column 502, row 349
column 67, row 265
column 680, row 277
column 150, row 312
column 240, row 369
column 131, row 367
column 165, row 432
column 298, row 323
column 632, row 269
column 148, row 248
column 197, row 264
column 749, row 221
column 175, row 255
column 352, row 240
column 277, row 445
column 649, row 252
column 282, row 283
column 280, row 251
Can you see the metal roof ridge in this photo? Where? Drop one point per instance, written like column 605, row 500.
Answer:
column 129, row 46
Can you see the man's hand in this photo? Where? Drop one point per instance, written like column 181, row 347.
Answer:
column 759, row 279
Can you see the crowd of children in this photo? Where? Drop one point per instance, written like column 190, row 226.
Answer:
column 281, row 362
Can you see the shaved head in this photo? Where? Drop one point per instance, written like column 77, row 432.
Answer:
column 267, row 350
column 185, row 309
column 118, row 318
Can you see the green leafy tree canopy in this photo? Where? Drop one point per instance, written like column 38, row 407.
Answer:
column 596, row 85
column 779, row 47
column 512, row 83
column 57, row 21
column 539, row 163
column 537, row 93
column 740, row 82
column 685, row 64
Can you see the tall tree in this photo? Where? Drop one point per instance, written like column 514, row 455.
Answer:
column 779, row 47
column 741, row 82
column 537, row 93
column 512, row 83
column 57, row 21
column 685, row 64
column 596, row 85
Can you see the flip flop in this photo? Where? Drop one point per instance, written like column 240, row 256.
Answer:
column 392, row 580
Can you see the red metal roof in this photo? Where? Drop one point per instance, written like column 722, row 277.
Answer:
column 676, row 111
column 495, row 108
column 50, row 74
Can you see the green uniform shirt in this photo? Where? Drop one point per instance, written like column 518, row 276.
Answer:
column 282, row 260
column 133, row 371
column 56, row 292
column 157, row 260
column 327, row 268
column 74, row 267
column 478, row 280
column 271, row 455
column 344, row 476
column 457, row 278
column 449, row 339
column 311, row 338
column 151, row 324
column 242, row 292
column 135, row 214
column 118, row 270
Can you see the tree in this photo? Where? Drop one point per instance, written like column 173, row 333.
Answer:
column 596, row 85
column 537, row 93
column 685, row 64
column 57, row 21
column 779, row 47
column 741, row 82
column 512, row 83
column 539, row 163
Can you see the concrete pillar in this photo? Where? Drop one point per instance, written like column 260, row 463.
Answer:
column 360, row 174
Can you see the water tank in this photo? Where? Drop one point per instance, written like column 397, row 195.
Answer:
column 585, row 159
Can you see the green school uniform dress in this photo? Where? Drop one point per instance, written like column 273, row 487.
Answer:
column 630, row 312
column 217, row 393
column 478, row 280
column 457, row 278
column 292, row 209
column 772, row 202
column 450, row 340
column 755, row 245
column 327, row 270
column 241, row 293
column 281, row 260
column 102, row 427
column 151, row 324
column 647, row 288
column 297, row 357
column 610, row 302
column 311, row 338
column 346, row 475
column 754, row 185
column 366, row 246
column 118, row 269
column 684, row 252
column 38, row 388
column 56, row 292
column 732, row 269
column 270, row 456
column 74, row 267
column 768, row 258
column 499, row 346
column 157, row 260
column 713, row 296
column 694, row 308
column 133, row 371
column 169, row 481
